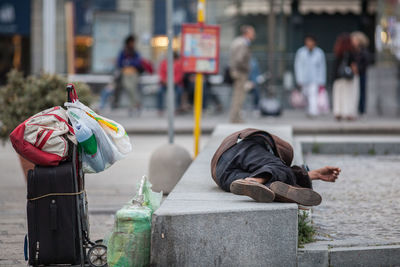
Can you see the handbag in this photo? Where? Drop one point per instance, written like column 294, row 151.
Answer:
column 227, row 76
column 345, row 71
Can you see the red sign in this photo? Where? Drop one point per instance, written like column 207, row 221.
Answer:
column 200, row 48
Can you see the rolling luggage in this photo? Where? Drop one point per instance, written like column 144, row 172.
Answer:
column 53, row 232
column 57, row 212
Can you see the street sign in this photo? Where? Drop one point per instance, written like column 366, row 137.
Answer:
column 200, row 48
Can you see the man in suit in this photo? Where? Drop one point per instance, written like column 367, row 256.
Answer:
column 239, row 66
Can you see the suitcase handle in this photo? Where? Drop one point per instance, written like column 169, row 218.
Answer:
column 71, row 93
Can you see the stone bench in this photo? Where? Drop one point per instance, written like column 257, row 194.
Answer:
column 198, row 224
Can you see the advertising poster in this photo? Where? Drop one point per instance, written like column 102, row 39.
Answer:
column 200, row 48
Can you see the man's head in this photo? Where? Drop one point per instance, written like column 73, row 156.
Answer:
column 248, row 32
column 310, row 42
column 130, row 42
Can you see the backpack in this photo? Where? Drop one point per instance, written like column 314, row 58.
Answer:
column 42, row 139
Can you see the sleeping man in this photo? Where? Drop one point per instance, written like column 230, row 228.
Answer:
column 257, row 164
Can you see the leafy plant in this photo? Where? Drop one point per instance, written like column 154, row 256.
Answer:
column 315, row 148
column 23, row 97
column 306, row 230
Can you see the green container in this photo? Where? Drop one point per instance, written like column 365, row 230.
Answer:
column 129, row 243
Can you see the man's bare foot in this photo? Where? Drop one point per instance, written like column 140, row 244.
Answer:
column 258, row 180
column 327, row 174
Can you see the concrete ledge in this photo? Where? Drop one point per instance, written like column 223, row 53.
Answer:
column 372, row 145
column 323, row 255
column 200, row 225
column 323, row 128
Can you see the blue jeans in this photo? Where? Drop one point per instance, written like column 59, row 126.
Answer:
column 161, row 94
column 105, row 94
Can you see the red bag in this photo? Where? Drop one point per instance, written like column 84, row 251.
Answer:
column 41, row 139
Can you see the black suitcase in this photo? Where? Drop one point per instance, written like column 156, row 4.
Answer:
column 53, row 232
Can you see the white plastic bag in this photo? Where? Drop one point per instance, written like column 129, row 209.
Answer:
column 323, row 101
column 78, row 113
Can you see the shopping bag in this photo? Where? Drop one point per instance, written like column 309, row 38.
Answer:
column 80, row 115
column 102, row 141
column 297, row 99
column 323, row 100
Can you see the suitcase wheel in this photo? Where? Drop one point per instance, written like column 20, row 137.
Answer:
column 97, row 256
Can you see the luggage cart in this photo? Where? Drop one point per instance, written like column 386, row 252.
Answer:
column 91, row 253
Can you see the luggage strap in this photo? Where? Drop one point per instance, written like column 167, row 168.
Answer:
column 57, row 194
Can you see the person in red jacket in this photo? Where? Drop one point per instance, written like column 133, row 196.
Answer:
column 178, row 79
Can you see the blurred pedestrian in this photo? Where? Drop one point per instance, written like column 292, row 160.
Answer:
column 346, row 80
column 130, row 65
column 209, row 95
column 178, row 83
column 310, row 72
column 360, row 42
column 239, row 67
column 254, row 82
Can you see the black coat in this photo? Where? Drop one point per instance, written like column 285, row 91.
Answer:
column 254, row 157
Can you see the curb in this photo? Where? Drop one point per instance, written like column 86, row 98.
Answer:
column 297, row 130
column 324, row 256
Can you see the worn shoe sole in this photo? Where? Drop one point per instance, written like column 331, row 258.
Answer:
column 287, row 193
column 256, row 191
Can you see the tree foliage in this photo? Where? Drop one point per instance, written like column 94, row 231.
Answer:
column 23, row 97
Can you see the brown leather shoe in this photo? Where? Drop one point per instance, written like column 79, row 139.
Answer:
column 300, row 195
column 256, row 191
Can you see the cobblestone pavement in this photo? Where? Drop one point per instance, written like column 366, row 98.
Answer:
column 107, row 192
column 363, row 204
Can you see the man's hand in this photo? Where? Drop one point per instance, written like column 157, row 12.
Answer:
column 327, row 174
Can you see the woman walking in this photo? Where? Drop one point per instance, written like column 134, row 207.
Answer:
column 360, row 42
column 346, row 80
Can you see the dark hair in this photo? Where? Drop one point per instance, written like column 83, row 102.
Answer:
column 130, row 38
column 310, row 36
column 245, row 28
column 343, row 44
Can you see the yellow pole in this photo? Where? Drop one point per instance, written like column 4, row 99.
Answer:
column 198, row 89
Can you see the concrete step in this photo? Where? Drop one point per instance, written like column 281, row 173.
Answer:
column 198, row 224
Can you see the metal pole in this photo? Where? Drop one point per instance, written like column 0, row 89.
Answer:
column 170, row 73
column 198, row 89
column 49, row 36
column 69, row 34
column 271, row 42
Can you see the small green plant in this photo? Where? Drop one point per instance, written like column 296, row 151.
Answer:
column 306, row 230
column 315, row 148
column 23, row 97
column 372, row 152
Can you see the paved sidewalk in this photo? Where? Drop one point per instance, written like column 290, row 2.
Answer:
column 361, row 207
column 149, row 122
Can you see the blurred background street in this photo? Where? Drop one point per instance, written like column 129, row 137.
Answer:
column 328, row 68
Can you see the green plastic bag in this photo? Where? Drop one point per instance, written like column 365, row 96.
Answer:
column 129, row 242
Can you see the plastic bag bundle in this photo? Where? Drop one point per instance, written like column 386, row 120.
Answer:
column 129, row 243
column 102, row 141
